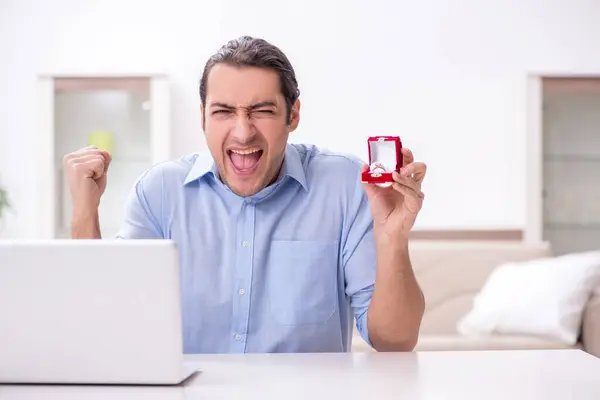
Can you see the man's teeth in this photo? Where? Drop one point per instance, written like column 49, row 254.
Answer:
column 244, row 152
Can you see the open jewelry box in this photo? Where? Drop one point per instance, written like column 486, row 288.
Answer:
column 385, row 157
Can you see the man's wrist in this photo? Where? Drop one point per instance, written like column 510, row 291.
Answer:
column 390, row 242
column 85, row 213
column 392, row 251
column 85, row 224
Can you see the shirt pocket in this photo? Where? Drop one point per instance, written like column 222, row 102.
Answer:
column 302, row 282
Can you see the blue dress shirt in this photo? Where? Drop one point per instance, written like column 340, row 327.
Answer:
column 285, row 270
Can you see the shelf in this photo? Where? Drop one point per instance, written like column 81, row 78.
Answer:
column 572, row 225
column 119, row 83
column 571, row 158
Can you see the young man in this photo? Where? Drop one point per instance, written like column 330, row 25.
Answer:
column 280, row 245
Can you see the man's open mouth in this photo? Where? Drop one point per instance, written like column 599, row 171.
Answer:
column 245, row 161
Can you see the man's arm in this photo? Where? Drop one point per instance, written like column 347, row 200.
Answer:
column 86, row 225
column 385, row 297
column 398, row 304
column 86, row 171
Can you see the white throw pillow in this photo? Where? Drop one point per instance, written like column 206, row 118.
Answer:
column 544, row 297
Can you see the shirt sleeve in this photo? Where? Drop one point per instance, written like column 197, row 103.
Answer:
column 143, row 208
column 359, row 258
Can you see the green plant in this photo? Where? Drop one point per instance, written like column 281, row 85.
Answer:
column 4, row 203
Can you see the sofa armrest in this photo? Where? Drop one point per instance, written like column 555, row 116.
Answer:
column 591, row 326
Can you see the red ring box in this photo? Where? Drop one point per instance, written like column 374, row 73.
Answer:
column 386, row 151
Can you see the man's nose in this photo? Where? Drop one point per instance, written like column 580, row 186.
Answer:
column 243, row 130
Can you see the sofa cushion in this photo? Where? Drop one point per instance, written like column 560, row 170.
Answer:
column 452, row 273
column 544, row 297
column 454, row 342
column 495, row 342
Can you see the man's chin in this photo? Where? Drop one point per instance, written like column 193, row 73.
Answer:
column 244, row 192
column 244, row 187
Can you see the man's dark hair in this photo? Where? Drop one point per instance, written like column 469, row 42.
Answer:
column 255, row 52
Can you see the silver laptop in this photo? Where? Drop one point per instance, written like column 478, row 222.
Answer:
column 91, row 312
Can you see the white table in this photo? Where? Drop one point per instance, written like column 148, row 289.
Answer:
column 536, row 374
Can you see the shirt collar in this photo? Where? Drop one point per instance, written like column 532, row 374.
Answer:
column 203, row 165
column 292, row 167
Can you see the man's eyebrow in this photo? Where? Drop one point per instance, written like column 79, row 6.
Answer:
column 262, row 104
column 222, row 105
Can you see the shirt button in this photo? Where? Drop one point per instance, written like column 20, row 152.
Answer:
column 248, row 200
column 238, row 337
column 245, row 243
column 241, row 291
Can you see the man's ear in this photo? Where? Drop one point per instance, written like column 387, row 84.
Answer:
column 295, row 116
column 202, row 110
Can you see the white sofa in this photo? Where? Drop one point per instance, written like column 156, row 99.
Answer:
column 452, row 273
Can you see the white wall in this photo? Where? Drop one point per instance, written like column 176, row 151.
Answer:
column 449, row 77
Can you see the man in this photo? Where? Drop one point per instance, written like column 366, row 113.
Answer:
column 280, row 245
